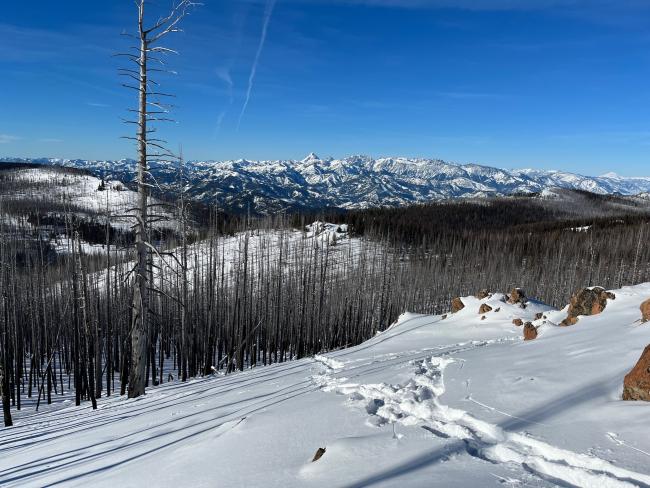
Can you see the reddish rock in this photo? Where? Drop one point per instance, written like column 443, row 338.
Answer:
column 636, row 385
column 517, row 295
column 457, row 305
column 530, row 331
column 645, row 311
column 483, row 294
column 588, row 301
column 485, row 308
column 569, row 321
column 518, row 322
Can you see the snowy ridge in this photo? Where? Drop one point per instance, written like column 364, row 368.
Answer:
column 451, row 401
column 352, row 182
column 60, row 192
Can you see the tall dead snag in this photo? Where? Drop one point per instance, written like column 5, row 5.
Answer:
column 184, row 291
column 150, row 109
column 87, row 358
column 4, row 365
column 5, row 383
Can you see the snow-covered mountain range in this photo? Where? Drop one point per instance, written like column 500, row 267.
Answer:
column 352, row 182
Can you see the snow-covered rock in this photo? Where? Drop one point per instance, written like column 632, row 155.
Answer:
column 645, row 311
column 588, row 301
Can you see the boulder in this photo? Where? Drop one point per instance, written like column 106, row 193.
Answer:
column 518, row 322
column 645, row 311
column 457, row 305
column 497, row 309
column 517, row 295
column 588, row 301
column 636, row 385
column 444, row 317
column 538, row 316
column 530, row 331
column 485, row 308
column 483, row 294
column 483, row 318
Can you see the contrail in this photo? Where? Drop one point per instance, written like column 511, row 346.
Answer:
column 220, row 118
column 268, row 11
column 223, row 73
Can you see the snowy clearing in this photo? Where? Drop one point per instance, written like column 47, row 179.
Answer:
column 430, row 402
column 62, row 192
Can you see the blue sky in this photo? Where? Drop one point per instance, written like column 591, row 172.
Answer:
column 558, row 84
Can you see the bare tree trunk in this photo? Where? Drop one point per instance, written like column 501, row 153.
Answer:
column 4, row 370
column 139, row 332
column 140, row 302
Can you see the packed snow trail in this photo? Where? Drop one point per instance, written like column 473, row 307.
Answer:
column 417, row 403
column 453, row 402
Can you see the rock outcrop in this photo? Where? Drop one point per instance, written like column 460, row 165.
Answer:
column 457, row 305
column 588, row 301
column 530, row 331
column 645, row 311
column 636, row 385
column 483, row 294
column 485, row 308
column 517, row 295
column 518, row 322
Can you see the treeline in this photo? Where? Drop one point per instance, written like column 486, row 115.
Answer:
column 243, row 292
column 501, row 243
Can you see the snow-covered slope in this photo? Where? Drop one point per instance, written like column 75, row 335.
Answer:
column 56, row 193
column 455, row 402
column 323, row 239
column 352, row 182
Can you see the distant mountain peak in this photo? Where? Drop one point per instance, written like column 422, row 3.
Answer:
column 311, row 157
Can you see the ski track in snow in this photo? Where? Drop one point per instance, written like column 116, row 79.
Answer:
column 417, row 402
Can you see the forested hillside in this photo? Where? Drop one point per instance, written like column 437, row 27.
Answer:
column 232, row 293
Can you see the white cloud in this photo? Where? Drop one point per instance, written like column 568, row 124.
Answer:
column 7, row 138
column 223, row 73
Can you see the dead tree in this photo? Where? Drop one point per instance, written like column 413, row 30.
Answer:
column 150, row 109
column 4, row 366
